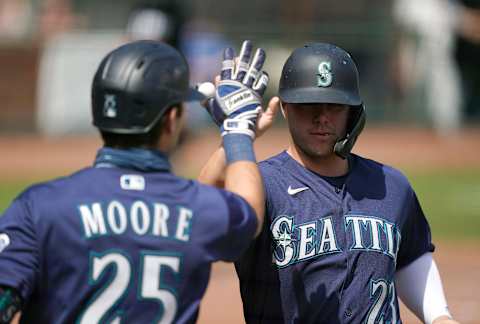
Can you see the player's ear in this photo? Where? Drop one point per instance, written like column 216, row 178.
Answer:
column 173, row 119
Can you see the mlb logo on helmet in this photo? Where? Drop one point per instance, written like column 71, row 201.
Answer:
column 110, row 106
column 4, row 241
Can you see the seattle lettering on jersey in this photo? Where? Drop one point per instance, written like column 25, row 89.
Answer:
column 295, row 243
column 100, row 219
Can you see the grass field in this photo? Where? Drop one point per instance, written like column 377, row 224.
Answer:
column 9, row 190
column 450, row 199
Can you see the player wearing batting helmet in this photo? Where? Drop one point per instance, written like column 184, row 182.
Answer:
column 343, row 235
column 126, row 240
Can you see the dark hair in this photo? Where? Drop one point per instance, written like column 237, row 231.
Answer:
column 146, row 140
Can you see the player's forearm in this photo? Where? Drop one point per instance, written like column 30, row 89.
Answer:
column 444, row 320
column 419, row 286
column 16, row 319
column 244, row 179
column 213, row 173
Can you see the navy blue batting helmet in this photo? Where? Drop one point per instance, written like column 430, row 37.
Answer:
column 136, row 83
column 325, row 73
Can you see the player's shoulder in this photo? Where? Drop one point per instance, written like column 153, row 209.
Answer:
column 211, row 196
column 204, row 189
column 390, row 173
column 274, row 164
column 222, row 208
column 51, row 188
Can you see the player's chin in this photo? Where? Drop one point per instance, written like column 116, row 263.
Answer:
column 323, row 146
column 322, row 154
column 318, row 150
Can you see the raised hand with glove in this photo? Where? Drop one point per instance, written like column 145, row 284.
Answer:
column 237, row 101
column 235, row 108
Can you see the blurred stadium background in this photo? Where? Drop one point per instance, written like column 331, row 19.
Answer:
column 419, row 65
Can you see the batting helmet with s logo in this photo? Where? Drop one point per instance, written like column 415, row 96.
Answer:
column 325, row 73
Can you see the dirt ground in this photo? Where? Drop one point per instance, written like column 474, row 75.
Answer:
column 29, row 157
column 39, row 157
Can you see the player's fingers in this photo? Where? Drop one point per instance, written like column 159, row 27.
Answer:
column 273, row 107
column 244, row 60
column 255, row 68
column 228, row 64
column 259, row 117
column 208, row 104
column 216, row 80
column 265, row 120
column 215, row 112
column 261, row 85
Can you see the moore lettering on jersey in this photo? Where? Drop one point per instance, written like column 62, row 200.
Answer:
column 299, row 242
column 114, row 218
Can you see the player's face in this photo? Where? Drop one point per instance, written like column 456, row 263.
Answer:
column 315, row 128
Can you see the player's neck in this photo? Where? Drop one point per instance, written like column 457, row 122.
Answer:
column 329, row 166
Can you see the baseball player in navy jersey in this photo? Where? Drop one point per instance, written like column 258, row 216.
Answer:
column 344, row 236
column 127, row 241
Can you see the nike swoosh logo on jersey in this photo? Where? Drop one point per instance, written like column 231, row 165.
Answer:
column 292, row 191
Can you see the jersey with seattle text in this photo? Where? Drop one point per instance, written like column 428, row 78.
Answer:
column 328, row 252
column 111, row 245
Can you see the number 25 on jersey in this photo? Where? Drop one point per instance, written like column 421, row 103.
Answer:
column 152, row 265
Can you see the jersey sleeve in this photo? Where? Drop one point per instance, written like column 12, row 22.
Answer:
column 18, row 248
column 240, row 227
column 416, row 238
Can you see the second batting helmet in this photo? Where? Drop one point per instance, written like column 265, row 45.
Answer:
column 325, row 73
column 136, row 83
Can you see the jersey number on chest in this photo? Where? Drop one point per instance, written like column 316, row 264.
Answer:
column 152, row 265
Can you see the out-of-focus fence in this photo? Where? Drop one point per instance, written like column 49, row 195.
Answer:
column 45, row 65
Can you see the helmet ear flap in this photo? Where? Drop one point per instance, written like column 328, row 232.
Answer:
column 355, row 126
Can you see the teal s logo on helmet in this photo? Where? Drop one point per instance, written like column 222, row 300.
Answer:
column 324, row 76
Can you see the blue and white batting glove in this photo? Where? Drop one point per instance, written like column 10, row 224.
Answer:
column 237, row 102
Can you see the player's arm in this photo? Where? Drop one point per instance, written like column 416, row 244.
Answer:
column 18, row 257
column 241, row 176
column 444, row 320
column 235, row 108
column 10, row 305
column 213, row 172
column 417, row 279
column 419, row 286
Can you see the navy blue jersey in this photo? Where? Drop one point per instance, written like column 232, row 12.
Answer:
column 117, row 245
column 329, row 249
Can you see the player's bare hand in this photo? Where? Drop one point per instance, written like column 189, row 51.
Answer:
column 267, row 117
column 444, row 320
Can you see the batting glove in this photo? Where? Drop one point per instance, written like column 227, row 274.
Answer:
column 237, row 102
